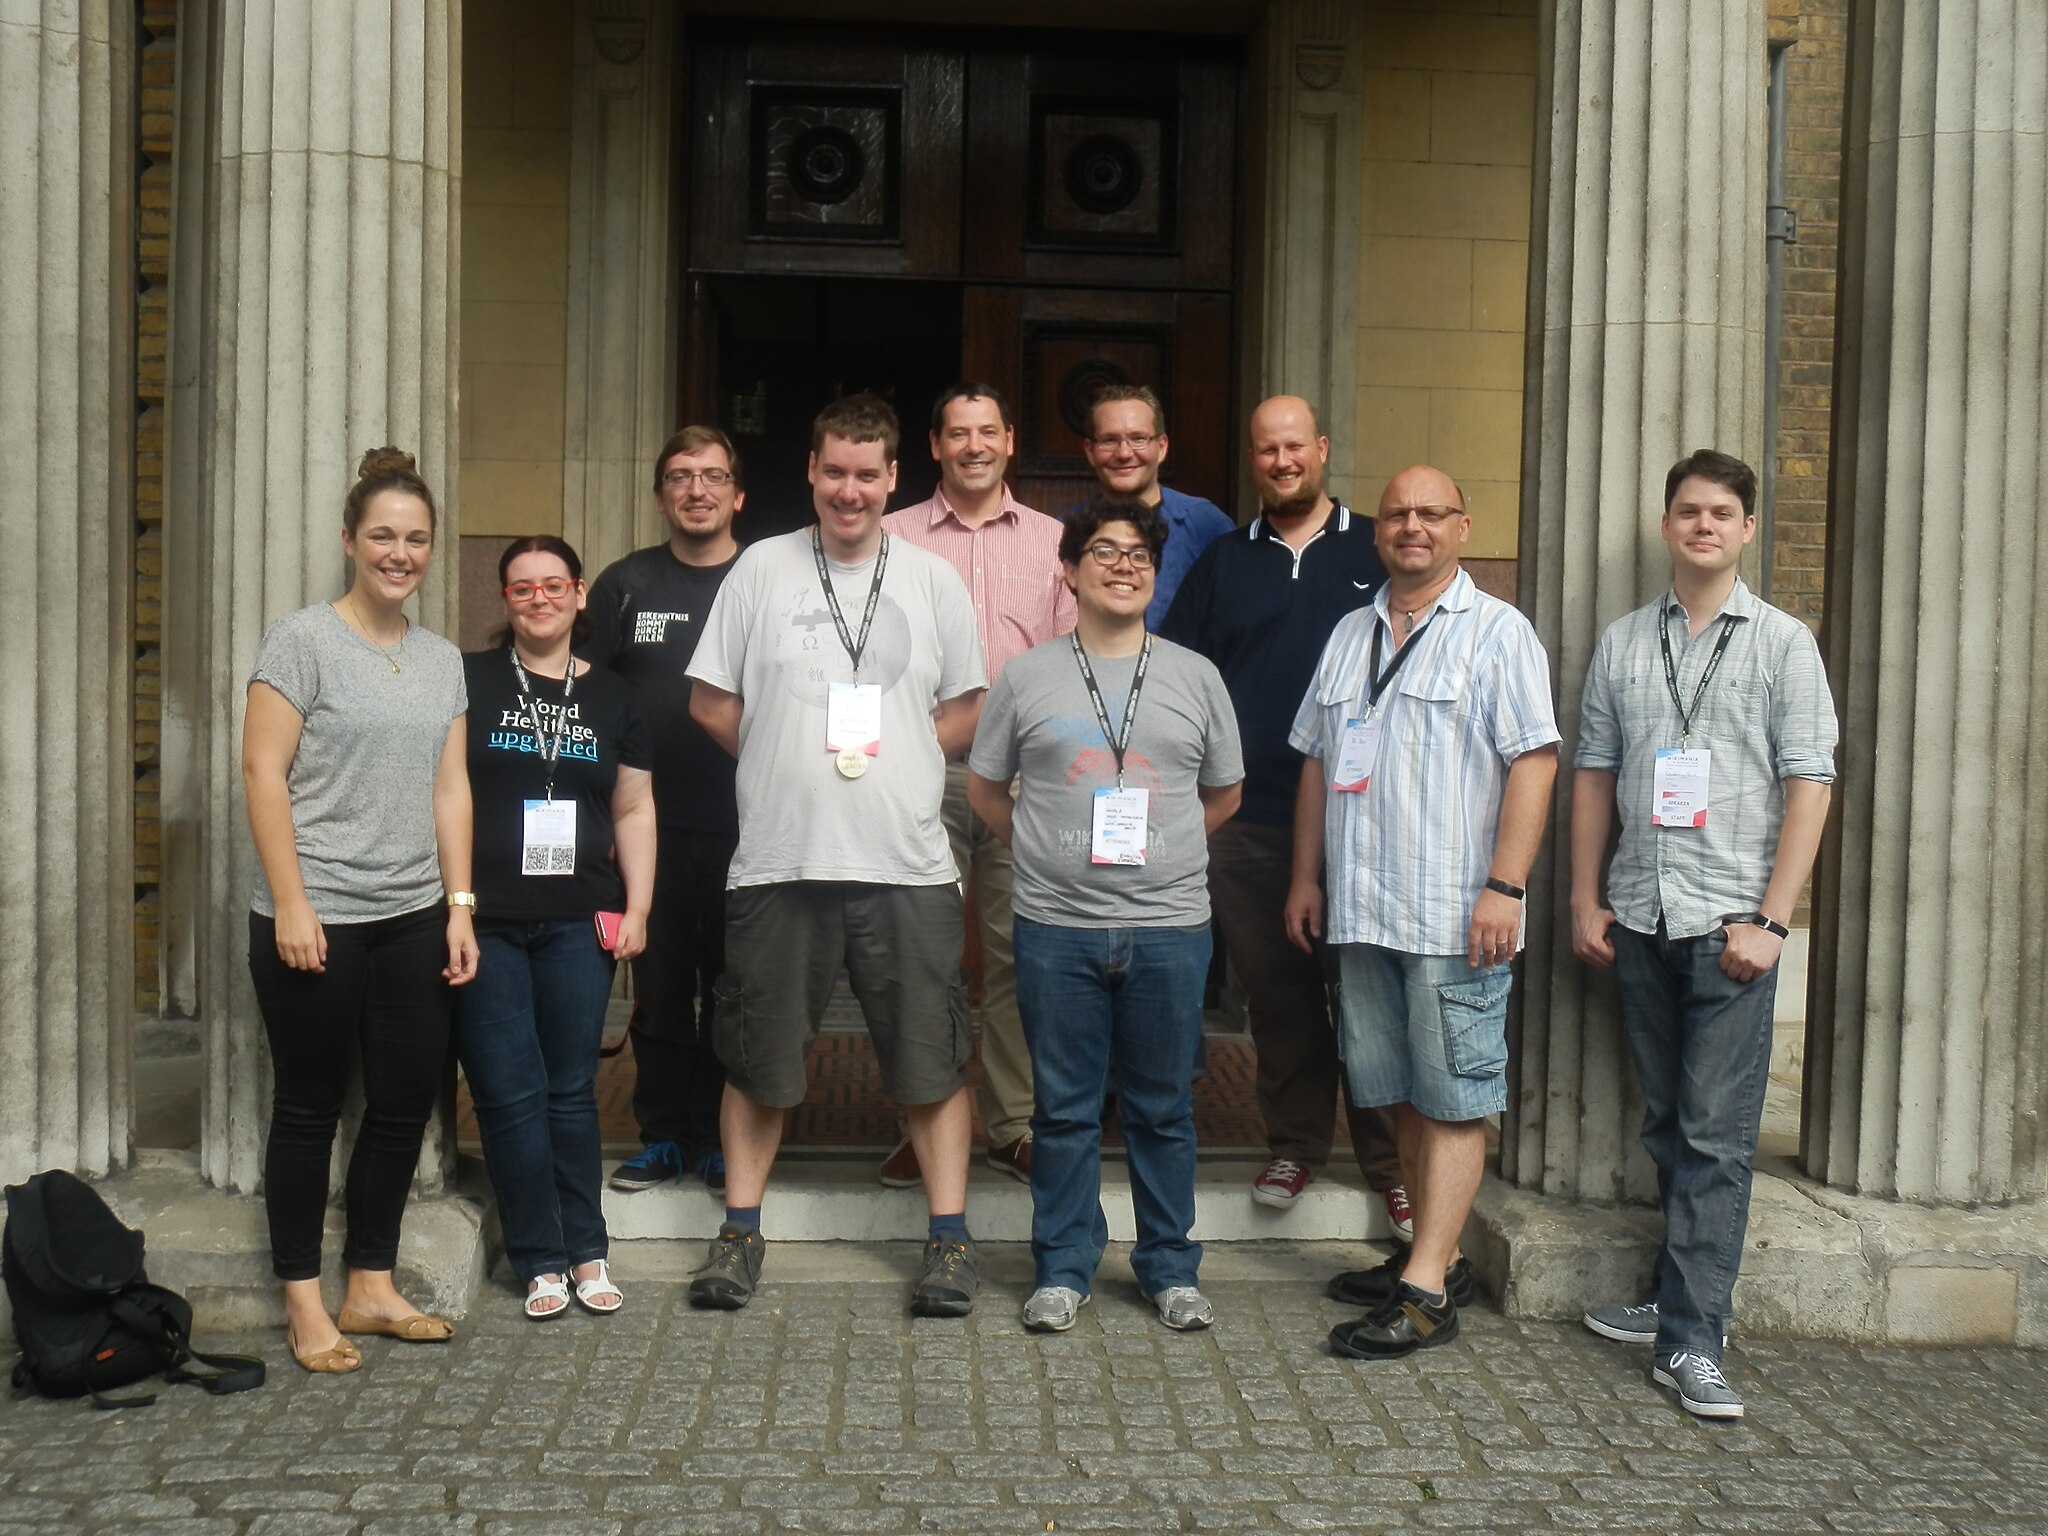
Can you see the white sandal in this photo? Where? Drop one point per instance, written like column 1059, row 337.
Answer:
column 599, row 1284
column 541, row 1288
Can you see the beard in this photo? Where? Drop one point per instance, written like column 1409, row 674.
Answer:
column 1303, row 500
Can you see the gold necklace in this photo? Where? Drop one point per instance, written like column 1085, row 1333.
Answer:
column 388, row 652
column 1408, row 614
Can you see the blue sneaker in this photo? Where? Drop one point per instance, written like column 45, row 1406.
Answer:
column 710, row 1167
column 654, row 1165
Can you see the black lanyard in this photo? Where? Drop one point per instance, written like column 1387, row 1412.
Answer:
column 1685, row 714
column 855, row 648
column 1119, row 744
column 550, row 752
column 1374, row 675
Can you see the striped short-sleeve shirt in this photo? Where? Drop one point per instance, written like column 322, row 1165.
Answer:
column 1407, row 857
column 1765, row 716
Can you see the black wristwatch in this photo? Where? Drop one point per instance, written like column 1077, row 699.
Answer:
column 1760, row 920
column 1512, row 892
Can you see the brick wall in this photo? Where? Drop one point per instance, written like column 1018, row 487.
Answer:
column 1816, row 69
column 158, row 40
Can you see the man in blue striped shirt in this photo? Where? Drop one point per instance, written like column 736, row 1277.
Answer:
column 1707, row 725
column 1431, row 751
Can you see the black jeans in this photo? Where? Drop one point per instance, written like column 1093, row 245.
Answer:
column 677, row 1076
column 383, row 995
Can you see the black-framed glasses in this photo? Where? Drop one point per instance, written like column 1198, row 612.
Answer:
column 1429, row 517
column 711, row 479
column 1108, row 554
column 553, row 588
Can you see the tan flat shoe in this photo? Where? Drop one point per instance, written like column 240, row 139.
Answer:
column 338, row 1360
column 420, row 1328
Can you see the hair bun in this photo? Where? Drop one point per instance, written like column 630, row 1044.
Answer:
column 386, row 461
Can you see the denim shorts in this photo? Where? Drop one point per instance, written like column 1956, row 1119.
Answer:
column 1427, row 1030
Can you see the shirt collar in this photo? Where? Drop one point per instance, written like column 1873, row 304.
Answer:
column 1340, row 522
column 1740, row 603
column 941, row 509
column 1456, row 598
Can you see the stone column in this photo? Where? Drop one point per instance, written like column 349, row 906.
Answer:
column 1645, row 341
column 330, row 145
column 67, row 411
column 1927, row 1071
column 1308, row 268
column 623, row 267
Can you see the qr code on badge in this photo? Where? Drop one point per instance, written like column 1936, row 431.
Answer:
column 548, row 859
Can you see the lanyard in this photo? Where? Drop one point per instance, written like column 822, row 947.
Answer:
column 1119, row 744
column 1671, row 672
column 550, row 751
column 855, row 649
column 1379, row 679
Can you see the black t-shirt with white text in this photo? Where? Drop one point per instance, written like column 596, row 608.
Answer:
column 602, row 734
column 648, row 610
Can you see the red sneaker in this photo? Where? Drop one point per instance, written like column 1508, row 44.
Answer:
column 1281, row 1183
column 1399, row 1215
column 899, row 1169
column 1013, row 1158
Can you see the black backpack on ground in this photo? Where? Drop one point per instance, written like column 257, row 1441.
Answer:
column 85, row 1315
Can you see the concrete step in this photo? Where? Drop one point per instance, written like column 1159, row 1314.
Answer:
column 836, row 1198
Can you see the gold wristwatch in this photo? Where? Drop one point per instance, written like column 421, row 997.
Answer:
column 463, row 899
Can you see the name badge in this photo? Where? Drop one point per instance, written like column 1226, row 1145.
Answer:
column 853, row 718
column 1356, row 753
column 1118, row 836
column 1679, row 795
column 550, row 838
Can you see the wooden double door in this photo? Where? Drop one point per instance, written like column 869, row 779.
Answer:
column 896, row 209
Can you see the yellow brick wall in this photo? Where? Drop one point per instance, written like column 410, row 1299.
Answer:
column 515, row 262
column 1449, row 139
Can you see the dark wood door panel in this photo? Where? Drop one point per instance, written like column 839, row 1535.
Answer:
column 1109, row 163
column 1050, row 350
column 817, row 151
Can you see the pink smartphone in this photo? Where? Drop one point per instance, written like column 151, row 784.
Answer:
column 608, row 929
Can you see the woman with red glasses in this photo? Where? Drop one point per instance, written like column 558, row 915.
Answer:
column 559, row 769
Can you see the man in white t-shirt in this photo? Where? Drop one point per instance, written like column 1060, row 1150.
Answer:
column 842, row 669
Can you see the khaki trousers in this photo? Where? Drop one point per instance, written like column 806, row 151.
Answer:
column 986, row 870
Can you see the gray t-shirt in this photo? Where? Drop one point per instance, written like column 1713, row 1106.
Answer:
column 770, row 639
column 1039, row 725
column 362, row 780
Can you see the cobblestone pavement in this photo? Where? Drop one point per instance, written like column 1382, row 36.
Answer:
column 824, row 1408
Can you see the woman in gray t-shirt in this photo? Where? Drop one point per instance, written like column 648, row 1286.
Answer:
column 353, row 758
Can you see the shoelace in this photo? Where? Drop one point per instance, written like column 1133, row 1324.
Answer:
column 1280, row 1168
column 1708, row 1371
column 660, row 1151
column 950, row 1258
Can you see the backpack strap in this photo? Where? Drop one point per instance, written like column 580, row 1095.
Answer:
column 230, row 1373
column 100, row 1400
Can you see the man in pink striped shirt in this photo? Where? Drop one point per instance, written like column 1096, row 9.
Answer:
column 1009, row 556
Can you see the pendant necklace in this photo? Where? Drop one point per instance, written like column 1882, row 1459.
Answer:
column 388, row 652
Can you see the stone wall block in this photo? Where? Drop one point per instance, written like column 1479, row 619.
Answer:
column 1645, row 340
column 1926, row 1076
column 67, row 397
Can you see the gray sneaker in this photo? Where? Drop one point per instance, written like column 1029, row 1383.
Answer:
column 947, row 1284
column 1702, row 1390
column 730, row 1271
column 1631, row 1325
column 1053, row 1308
column 1183, row 1307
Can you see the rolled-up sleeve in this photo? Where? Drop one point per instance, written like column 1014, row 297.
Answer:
column 1599, row 731
column 1804, row 729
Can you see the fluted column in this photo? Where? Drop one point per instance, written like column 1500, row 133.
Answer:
column 1645, row 340
column 67, row 407
column 1307, row 266
column 1925, row 1050
column 331, row 149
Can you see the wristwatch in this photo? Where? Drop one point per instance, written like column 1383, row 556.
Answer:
column 1512, row 892
column 1760, row 920
column 463, row 899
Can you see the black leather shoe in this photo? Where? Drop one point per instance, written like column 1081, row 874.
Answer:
column 1404, row 1323
column 1370, row 1288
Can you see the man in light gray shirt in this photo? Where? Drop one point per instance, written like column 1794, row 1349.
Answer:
column 1126, row 754
column 1708, row 726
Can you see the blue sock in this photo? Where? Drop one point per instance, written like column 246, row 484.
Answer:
column 953, row 1226
column 746, row 1217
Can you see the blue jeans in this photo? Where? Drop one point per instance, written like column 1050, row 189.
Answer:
column 527, row 1031
column 1702, row 1048
column 1122, row 1008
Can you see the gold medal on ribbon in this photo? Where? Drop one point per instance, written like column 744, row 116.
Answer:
column 852, row 762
